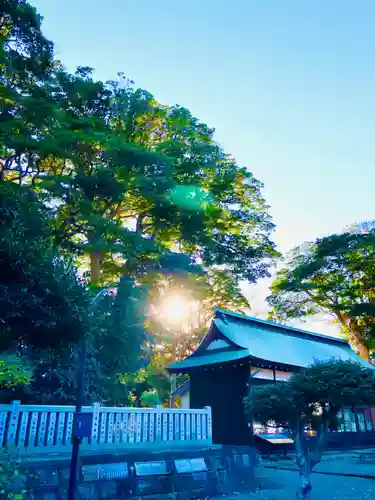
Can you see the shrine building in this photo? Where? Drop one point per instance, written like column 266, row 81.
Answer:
column 239, row 350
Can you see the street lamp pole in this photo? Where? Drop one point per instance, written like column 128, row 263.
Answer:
column 77, row 438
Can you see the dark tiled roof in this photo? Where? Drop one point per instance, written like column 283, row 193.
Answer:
column 266, row 341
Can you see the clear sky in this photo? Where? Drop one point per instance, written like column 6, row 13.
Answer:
column 289, row 86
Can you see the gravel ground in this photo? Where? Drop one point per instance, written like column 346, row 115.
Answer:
column 282, row 485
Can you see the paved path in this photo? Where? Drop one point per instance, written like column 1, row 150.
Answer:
column 344, row 463
column 279, row 484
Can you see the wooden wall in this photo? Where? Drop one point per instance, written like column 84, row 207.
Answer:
column 223, row 389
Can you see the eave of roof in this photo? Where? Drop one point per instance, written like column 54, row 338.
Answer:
column 265, row 342
column 286, row 328
column 208, row 359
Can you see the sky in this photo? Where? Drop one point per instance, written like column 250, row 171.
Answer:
column 288, row 85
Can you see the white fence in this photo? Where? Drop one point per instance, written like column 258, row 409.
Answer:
column 40, row 429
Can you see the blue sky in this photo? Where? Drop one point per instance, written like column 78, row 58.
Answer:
column 289, row 86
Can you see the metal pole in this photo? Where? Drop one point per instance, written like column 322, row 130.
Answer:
column 81, row 369
column 173, row 377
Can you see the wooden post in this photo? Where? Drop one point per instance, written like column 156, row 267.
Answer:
column 3, row 421
column 138, row 433
column 12, row 429
column 95, row 423
column 158, row 423
column 170, row 427
column 60, row 428
column 145, row 431
column 132, row 428
column 33, row 429
column 42, row 428
column 188, row 426
column 23, row 429
column 110, row 424
column 209, row 423
column 117, row 428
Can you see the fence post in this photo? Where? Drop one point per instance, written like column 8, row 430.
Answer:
column 158, row 423
column 12, row 429
column 95, row 423
column 209, row 423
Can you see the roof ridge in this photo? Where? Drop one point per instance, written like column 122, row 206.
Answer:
column 292, row 329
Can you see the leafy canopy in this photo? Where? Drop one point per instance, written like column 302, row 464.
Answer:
column 117, row 183
column 42, row 300
column 334, row 274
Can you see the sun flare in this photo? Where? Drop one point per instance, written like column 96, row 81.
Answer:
column 175, row 309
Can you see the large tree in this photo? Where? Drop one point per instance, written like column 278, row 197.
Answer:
column 91, row 172
column 132, row 178
column 126, row 180
column 312, row 398
column 336, row 275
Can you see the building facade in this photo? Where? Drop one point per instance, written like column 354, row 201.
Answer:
column 239, row 351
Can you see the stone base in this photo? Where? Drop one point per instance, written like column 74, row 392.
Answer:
column 178, row 474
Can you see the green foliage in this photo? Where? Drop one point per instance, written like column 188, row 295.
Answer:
column 116, row 337
column 119, row 339
column 14, row 372
column 25, row 61
column 42, row 301
column 334, row 274
column 150, row 399
column 13, row 478
column 153, row 377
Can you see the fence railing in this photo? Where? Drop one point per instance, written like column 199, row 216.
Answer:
column 39, row 428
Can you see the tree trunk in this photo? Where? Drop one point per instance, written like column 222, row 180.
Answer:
column 355, row 334
column 303, row 464
column 363, row 351
column 307, row 459
column 358, row 341
column 304, row 469
column 95, row 267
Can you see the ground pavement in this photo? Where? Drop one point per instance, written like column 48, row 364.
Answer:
column 340, row 477
column 280, row 484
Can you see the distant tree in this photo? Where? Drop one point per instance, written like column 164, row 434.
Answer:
column 200, row 292
column 334, row 274
column 312, row 397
